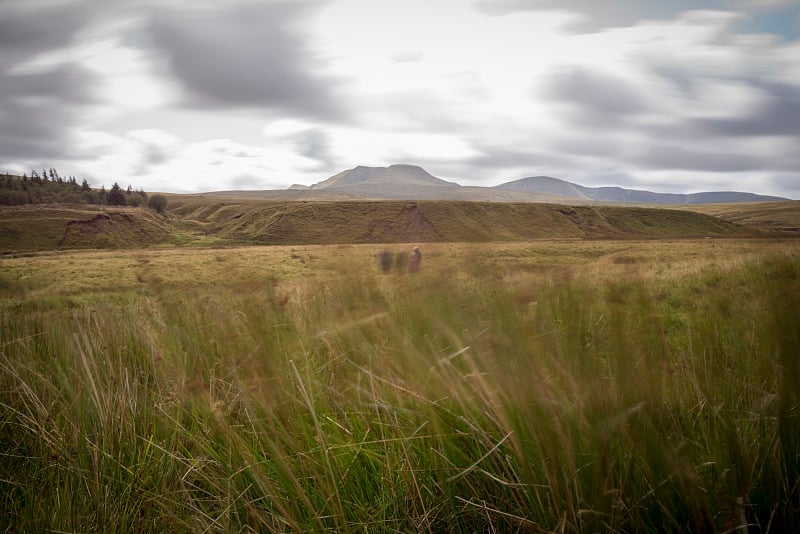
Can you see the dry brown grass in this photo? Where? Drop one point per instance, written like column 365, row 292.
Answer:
column 291, row 268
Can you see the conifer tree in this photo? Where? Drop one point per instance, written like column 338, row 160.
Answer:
column 115, row 196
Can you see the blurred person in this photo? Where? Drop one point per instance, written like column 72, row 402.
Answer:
column 401, row 262
column 414, row 260
column 385, row 258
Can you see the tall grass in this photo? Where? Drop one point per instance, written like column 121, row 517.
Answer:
column 377, row 403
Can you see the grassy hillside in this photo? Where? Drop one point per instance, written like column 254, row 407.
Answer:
column 437, row 221
column 781, row 216
column 210, row 221
column 53, row 227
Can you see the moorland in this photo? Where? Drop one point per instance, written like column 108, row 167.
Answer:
column 245, row 365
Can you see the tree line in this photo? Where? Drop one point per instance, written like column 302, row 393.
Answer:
column 49, row 187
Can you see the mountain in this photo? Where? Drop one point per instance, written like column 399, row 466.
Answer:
column 555, row 186
column 407, row 175
column 402, row 182
column 411, row 182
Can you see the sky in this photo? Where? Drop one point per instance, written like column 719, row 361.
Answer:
column 205, row 95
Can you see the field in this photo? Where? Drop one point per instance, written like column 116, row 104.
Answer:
column 543, row 386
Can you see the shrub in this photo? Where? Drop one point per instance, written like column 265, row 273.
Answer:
column 157, row 203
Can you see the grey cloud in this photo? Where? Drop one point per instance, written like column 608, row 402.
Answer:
column 27, row 134
column 151, row 155
column 756, row 70
column 64, row 83
column 26, row 32
column 594, row 145
column 661, row 156
column 779, row 115
column 246, row 181
column 38, row 108
column 595, row 98
column 500, row 158
column 245, row 56
column 314, row 144
column 601, row 106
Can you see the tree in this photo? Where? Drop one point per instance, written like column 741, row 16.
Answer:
column 115, row 196
column 157, row 203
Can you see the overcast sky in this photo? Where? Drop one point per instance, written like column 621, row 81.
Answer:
column 204, row 95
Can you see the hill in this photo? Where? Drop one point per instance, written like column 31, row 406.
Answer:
column 438, row 221
column 33, row 228
column 550, row 185
column 780, row 216
column 218, row 221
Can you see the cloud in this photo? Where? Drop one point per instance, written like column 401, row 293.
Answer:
column 245, row 56
column 595, row 98
column 777, row 114
column 599, row 14
column 497, row 158
column 684, row 95
column 26, row 31
column 303, row 138
column 155, row 147
column 208, row 95
column 39, row 103
column 666, row 156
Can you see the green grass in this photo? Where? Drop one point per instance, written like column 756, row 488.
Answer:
column 590, row 393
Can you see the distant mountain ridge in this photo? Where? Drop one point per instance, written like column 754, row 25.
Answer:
column 412, row 182
column 556, row 186
column 403, row 182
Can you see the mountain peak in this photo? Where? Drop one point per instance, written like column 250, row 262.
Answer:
column 546, row 184
column 394, row 176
